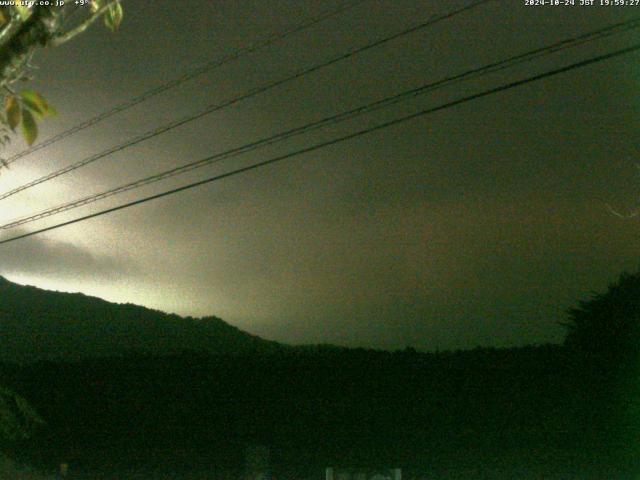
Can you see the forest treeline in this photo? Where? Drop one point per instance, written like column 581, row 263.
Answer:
column 549, row 411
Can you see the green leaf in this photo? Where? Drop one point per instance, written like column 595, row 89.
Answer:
column 23, row 11
column 36, row 103
column 29, row 127
column 113, row 17
column 96, row 5
column 13, row 112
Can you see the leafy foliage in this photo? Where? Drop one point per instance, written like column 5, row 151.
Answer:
column 29, row 127
column 23, row 28
column 24, row 12
column 22, row 110
column 18, row 420
column 12, row 112
column 113, row 17
column 36, row 103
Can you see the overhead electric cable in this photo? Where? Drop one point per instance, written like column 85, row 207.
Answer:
column 387, row 101
column 334, row 141
column 331, row 120
column 209, row 66
column 218, row 106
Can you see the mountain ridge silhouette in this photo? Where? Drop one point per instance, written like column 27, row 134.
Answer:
column 38, row 324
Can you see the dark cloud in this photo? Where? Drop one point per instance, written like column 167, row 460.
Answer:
column 47, row 258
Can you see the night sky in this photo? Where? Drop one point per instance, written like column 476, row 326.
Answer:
column 478, row 225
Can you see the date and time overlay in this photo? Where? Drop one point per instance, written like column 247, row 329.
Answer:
column 582, row 3
column 528, row 3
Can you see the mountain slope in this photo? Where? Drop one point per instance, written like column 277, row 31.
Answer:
column 38, row 324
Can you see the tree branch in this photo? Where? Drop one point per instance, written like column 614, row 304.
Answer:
column 65, row 37
column 10, row 30
column 37, row 30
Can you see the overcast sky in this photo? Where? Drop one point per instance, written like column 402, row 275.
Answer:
column 477, row 225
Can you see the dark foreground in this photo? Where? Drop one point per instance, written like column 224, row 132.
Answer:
column 534, row 412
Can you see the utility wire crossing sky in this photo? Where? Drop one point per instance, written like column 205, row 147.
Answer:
column 219, row 106
column 501, row 88
column 196, row 72
column 481, row 226
column 620, row 27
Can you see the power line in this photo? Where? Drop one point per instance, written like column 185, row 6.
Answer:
column 251, row 93
column 334, row 141
column 333, row 119
column 218, row 62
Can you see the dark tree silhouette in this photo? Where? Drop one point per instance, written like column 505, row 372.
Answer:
column 604, row 335
column 608, row 324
